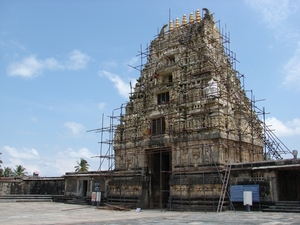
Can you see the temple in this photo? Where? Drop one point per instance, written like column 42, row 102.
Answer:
column 190, row 137
column 187, row 122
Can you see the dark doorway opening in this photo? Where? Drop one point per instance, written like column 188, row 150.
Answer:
column 289, row 185
column 160, row 171
column 84, row 188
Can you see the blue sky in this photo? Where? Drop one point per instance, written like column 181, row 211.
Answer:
column 64, row 64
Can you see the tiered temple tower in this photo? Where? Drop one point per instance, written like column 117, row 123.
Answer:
column 187, row 119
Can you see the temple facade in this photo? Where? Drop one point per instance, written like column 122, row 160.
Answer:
column 187, row 120
column 189, row 138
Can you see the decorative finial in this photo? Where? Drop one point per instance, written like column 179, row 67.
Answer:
column 184, row 20
column 198, row 16
column 191, row 18
column 171, row 26
column 177, row 24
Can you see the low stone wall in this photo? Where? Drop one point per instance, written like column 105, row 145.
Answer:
column 26, row 186
column 126, row 191
column 195, row 192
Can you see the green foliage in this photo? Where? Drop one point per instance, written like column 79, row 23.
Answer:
column 1, row 170
column 7, row 172
column 82, row 166
column 19, row 171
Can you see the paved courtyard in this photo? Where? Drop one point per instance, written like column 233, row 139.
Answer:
column 58, row 213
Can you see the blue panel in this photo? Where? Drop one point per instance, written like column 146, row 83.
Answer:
column 236, row 192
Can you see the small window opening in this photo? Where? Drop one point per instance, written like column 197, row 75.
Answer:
column 158, row 126
column 163, row 98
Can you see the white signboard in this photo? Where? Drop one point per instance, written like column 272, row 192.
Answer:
column 98, row 197
column 247, row 197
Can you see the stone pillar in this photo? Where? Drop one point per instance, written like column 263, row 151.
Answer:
column 66, row 186
column 274, row 184
column 78, row 186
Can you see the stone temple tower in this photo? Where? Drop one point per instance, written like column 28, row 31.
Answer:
column 187, row 119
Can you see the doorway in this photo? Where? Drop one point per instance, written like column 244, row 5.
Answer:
column 160, row 171
column 289, row 185
column 84, row 188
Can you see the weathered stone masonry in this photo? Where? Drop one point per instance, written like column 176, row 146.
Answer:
column 187, row 117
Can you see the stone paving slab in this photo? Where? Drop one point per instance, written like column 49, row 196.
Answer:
column 59, row 213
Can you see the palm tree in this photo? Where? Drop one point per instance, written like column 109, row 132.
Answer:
column 20, row 171
column 82, row 166
column 1, row 170
column 7, row 172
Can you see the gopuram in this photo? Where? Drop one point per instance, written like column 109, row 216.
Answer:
column 187, row 119
column 190, row 138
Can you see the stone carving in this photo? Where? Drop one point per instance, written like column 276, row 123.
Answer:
column 208, row 15
column 162, row 31
column 191, row 122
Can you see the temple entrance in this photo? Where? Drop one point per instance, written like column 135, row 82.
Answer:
column 84, row 188
column 289, row 185
column 160, row 170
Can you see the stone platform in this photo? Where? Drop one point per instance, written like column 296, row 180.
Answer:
column 59, row 213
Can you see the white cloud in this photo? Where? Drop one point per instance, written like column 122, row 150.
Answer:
column 271, row 12
column 281, row 129
column 109, row 64
column 292, row 70
column 274, row 13
column 77, row 60
column 63, row 161
column 80, row 153
column 23, row 154
column 278, row 16
column 122, row 87
column 33, row 119
column 133, row 61
column 131, row 64
column 31, row 66
column 75, row 128
column 101, row 105
column 29, row 158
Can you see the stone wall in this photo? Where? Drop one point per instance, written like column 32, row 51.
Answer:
column 27, row 186
column 10, row 186
column 262, row 178
column 47, row 187
column 195, row 192
column 188, row 102
column 83, row 184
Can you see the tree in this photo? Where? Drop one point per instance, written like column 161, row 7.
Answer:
column 7, row 172
column 20, row 171
column 1, row 170
column 82, row 166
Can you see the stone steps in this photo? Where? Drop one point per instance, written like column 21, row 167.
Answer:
column 78, row 201
column 284, row 206
column 25, row 198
